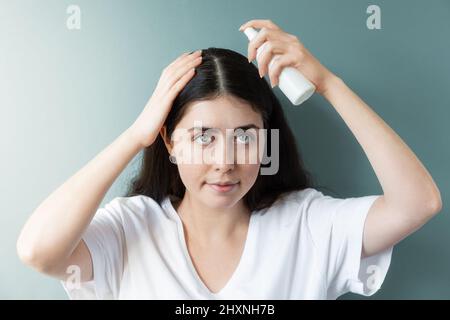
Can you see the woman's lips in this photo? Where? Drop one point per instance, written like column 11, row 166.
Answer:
column 224, row 188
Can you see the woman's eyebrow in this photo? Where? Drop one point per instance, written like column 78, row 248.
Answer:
column 245, row 127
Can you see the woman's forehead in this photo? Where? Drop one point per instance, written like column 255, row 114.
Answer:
column 220, row 113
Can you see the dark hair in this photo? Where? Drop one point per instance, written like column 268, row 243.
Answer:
column 225, row 72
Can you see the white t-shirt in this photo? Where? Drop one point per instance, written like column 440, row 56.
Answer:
column 305, row 246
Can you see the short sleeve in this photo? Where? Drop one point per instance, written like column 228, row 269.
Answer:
column 105, row 240
column 337, row 227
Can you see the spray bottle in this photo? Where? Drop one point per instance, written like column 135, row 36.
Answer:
column 293, row 84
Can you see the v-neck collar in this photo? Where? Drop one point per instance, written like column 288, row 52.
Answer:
column 248, row 242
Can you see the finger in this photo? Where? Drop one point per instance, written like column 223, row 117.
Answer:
column 183, row 57
column 181, row 71
column 253, row 45
column 271, row 48
column 279, row 63
column 259, row 23
column 178, row 58
column 181, row 83
column 264, row 35
column 186, row 59
column 171, row 70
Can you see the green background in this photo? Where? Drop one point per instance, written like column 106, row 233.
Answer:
column 65, row 95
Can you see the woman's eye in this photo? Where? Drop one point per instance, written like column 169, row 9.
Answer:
column 204, row 139
column 244, row 138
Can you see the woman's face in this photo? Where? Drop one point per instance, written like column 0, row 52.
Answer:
column 210, row 149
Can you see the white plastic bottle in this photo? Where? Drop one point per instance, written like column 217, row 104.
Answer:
column 293, row 84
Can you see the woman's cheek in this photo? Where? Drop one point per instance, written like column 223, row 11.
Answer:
column 191, row 176
column 248, row 175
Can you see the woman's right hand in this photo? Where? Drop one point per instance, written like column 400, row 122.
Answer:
column 173, row 79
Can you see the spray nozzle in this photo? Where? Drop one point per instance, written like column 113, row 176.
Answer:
column 250, row 33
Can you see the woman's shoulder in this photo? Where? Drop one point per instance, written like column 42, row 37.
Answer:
column 296, row 197
column 288, row 206
column 134, row 207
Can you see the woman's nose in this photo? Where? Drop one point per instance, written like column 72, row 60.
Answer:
column 224, row 158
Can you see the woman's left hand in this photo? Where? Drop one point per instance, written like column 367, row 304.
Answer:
column 287, row 50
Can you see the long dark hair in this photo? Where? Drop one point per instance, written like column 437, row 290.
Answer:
column 225, row 72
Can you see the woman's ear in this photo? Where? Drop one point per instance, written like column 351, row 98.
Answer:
column 166, row 139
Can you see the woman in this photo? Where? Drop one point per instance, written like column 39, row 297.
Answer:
column 220, row 229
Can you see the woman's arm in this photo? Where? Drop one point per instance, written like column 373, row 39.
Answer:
column 54, row 230
column 50, row 239
column 410, row 195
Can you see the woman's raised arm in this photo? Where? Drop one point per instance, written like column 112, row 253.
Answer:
column 50, row 239
column 411, row 196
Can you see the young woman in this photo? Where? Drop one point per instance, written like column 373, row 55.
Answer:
column 220, row 229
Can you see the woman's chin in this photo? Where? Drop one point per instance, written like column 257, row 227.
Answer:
column 220, row 197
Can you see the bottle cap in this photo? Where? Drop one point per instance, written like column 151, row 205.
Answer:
column 250, row 33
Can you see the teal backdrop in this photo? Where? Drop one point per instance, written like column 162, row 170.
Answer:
column 66, row 94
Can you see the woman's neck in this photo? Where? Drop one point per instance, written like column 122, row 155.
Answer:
column 211, row 225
